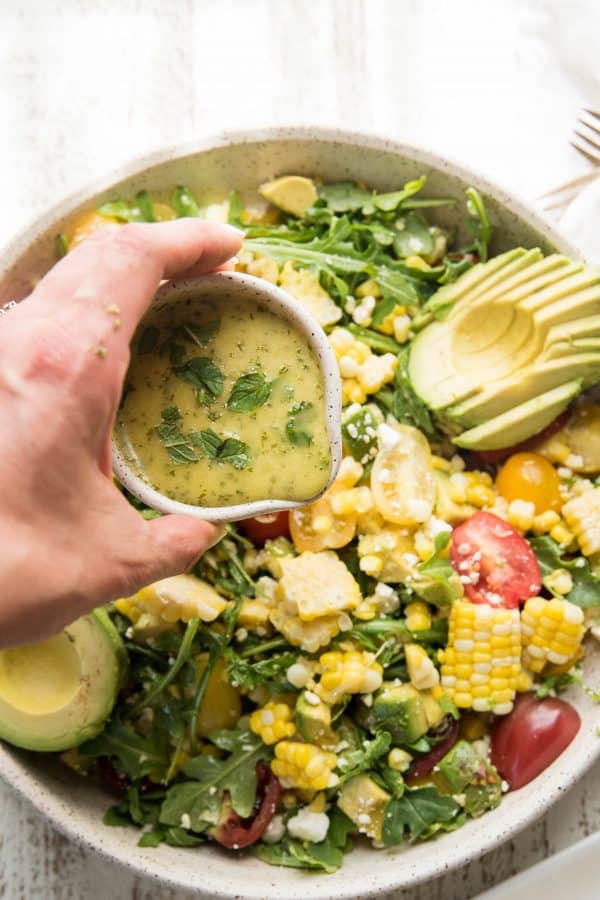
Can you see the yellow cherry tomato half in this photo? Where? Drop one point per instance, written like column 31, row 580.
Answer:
column 530, row 477
column 315, row 527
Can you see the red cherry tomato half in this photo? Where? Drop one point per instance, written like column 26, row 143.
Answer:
column 496, row 565
column 237, row 833
column 532, row 736
column 265, row 528
column 423, row 766
column 493, row 456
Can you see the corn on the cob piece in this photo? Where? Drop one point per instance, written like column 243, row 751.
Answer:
column 582, row 515
column 305, row 287
column 181, row 597
column 481, row 663
column 353, row 672
column 314, row 585
column 304, row 766
column 309, row 636
column 362, row 372
column 421, row 670
column 272, row 722
column 552, row 631
column 253, row 614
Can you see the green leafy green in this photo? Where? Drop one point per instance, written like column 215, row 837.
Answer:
column 381, row 343
column 201, row 797
column 169, row 431
column 184, row 203
column 199, row 334
column 141, row 210
column 364, row 757
column 137, row 755
column 415, row 813
column 223, row 449
column 61, row 245
column 249, row 392
column 235, row 210
column 586, row 586
column 206, row 377
column 436, row 581
column 479, row 224
column 249, row 675
column 415, row 237
column 324, row 857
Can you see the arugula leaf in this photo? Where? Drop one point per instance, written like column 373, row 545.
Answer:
column 479, row 224
column 177, row 446
column 586, row 585
column 408, row 407
column 381, row 343
column 324, row 857
column 137, row 756
column 344, row 196
column 142, row 210
column 249, row 392
column 414, row 238
column 235, row 210
column 148, row 340
column 229, row 450
column 249, row 675
column 235, row 774
column 295, row 434
column 436, row 581
column 145, row 206
column 365, row 756
column 416, row 812
column 206, row 377
column 391, row 201
column 184, row 203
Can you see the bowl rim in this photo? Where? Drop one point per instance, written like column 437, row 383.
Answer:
column 45, row 801
column 286, row 307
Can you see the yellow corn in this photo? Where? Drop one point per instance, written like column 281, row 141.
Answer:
column 309, row 636
column 552, row 631
column 354, row 500
column 272, row 722
column 314, row 585
column 362, row 371
column 561, row 534
column 476, row 488
column 354, row 672
column 181, row 597
column 399, row 759
column 481, row 663
column 521, row 515
column 582, row 515
column 388, row 554
column 368, row 288
column 304, row 766
column 253, row 614
column 421, row 670
column 545, row 522
column 305, row 287
column 264, row 267
column 128, row 608
column 559, row 581
column 418, row 617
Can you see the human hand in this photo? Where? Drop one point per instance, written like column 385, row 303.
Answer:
column 69, row 539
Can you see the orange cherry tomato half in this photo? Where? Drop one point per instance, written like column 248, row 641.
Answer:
column 495, row 564
column 532, row 736
column 265, row 528
column 530, row 477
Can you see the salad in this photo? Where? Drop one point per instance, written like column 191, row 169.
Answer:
column 386, row 662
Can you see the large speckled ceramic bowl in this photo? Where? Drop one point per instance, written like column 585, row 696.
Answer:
column 211, row 169
column 282, row 304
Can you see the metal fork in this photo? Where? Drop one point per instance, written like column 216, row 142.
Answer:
column 585, row 139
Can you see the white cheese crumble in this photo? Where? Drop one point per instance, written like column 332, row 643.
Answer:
column 387, row 437
column 275, row 830
column 185, row 821
column 307, row 825
column 299, row 674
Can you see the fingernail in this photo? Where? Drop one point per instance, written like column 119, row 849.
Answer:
column 238, row 231
column 220, row 532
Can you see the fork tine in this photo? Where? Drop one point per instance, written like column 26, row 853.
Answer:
column 592, row 112
column 589, row 123
column 569, row 186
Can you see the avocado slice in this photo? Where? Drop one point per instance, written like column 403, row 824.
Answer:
column 313, row 722
column 400, row 710
column 512, row 330
column 518, row 424
column 434, row 713
column 510, row 393
column 291, row 193
column 364, row 802
column 445, row 507
column 58, row 693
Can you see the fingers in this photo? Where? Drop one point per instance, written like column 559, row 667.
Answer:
column 107, row 283
column 174, row 544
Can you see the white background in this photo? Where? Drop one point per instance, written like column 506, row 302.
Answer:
column 87, row 84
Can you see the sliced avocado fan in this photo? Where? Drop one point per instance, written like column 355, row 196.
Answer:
column 505, row 348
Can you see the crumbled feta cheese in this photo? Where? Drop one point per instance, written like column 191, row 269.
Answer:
column 299, row 674
column 275, row 830
column 574, row 461
column 241, row 634
column 387, row 437
column 419, row 510
column 311, row 698
column 307, row 825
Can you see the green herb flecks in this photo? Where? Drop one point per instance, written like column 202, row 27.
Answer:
column 249, row 392
column 295, row 429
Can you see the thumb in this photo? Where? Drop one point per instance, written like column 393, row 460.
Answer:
column 175, row 543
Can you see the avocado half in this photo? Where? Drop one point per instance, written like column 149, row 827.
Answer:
column 58, row 693
column 505, row 348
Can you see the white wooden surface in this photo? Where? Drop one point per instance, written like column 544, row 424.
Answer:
column 87, row 84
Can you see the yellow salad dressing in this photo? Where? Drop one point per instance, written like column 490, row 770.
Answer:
column 224, row 404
